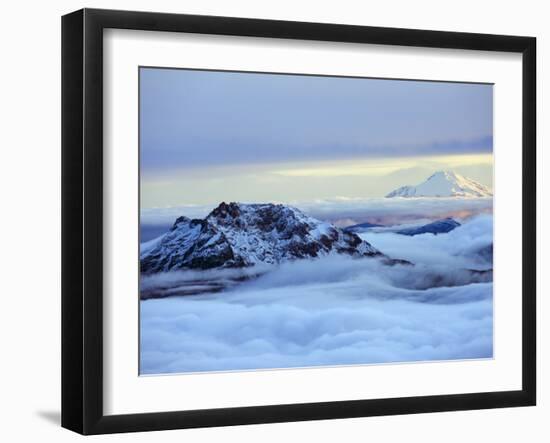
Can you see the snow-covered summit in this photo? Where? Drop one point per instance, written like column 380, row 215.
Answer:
column 238, row 235
column 444, row 184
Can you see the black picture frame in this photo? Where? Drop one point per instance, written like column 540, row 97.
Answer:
column 82, row 217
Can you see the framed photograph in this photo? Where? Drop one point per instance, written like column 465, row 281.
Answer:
column 268, row 221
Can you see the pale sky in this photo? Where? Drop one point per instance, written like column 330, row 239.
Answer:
column 208, row 137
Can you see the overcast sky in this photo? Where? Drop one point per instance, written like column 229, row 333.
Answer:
column 211, row 136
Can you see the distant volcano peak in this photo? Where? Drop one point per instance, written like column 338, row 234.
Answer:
column 447, row 174
column 444, row 184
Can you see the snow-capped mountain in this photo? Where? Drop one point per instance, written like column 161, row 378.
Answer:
column 239, row 235
column 444, row 184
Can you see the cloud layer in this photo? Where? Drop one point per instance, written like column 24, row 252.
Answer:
column 328, row 312
column 354, row 210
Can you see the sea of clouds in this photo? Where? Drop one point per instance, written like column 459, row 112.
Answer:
column 394, row 211
column 458, row 248
column 332, row 311
column 386, row 210
column 339, row 211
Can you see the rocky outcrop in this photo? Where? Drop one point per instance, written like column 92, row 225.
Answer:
column 239, row 235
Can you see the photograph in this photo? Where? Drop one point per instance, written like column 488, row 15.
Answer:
column 291, row 220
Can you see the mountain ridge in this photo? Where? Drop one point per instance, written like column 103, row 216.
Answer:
column 442, row 226
column 241, row 235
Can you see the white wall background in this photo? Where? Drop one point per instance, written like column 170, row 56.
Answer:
column 30, row 218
